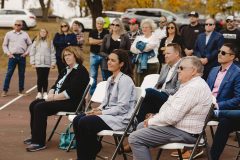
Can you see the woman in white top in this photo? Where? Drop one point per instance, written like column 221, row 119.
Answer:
column 145, row 44
column 42, row 57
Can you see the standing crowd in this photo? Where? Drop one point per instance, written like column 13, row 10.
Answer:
column 194, row 65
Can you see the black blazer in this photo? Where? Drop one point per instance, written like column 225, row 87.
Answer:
column 74, row 84
column 177, row 39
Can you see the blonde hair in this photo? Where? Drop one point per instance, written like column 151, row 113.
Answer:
column 47, row 38
column 76, row 51
column 149, row 22
column 66, row 23
column 121, row 26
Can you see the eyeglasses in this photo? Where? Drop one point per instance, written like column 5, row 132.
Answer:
column 170, row 27
column 209, row 24
column 17, row 24
column 162, row 22
column 223, row 53
column 117, row 25
column 63, row 26
column 180, row 68
column 229, row 21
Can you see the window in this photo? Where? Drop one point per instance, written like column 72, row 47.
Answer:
column 15, row 12
column 149, row 13
column 3, row 12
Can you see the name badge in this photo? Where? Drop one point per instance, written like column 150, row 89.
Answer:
column 196, row 31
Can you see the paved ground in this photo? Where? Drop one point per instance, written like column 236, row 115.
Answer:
column 14, row 128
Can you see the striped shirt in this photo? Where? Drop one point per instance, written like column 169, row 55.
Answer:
column 16, row 42
column 187, row 108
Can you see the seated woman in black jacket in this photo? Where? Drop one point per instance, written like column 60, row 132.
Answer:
column 65, row 95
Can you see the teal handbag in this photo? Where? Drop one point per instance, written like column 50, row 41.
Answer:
column 65, row 139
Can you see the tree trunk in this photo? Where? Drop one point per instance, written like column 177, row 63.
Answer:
column 2, row 3
column 45, row 9
column 96, row 8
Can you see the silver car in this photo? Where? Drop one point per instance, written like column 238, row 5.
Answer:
column 152, row 13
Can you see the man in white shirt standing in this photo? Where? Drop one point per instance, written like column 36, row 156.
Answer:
column 181, row 117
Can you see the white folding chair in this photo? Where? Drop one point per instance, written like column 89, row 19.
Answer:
column 150, row 81
column 201, row 141
column 79, row 108
column 120, row 135
column 97, row 97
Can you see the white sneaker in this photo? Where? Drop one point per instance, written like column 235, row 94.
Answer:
column 45, row 95
column 39, row 95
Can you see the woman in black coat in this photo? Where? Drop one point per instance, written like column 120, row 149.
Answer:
column 172, row 37
column 62, row 40
column 65, row 95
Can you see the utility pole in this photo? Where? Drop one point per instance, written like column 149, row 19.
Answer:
column 2, row 4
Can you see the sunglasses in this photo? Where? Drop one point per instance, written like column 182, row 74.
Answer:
column 63, row 26
column 170, row 27
column 17, row 24
column 117, row 25
column 209, row 24
column 180, row 68
column 223, row 53
column 229, row 21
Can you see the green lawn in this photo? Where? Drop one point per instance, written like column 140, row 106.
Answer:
column 52, row 26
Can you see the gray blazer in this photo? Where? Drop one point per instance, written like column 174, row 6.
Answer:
column 118, row 108
column 173, row 84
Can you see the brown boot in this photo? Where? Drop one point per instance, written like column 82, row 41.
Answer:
column 127, row 148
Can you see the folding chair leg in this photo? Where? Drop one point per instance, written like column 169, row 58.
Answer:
column 70, row 145
column 159, row 154
column 122, row 148
column 180, row 154
column 238, row 155
column 54, row 128
column 207, row 147
column 212, row 132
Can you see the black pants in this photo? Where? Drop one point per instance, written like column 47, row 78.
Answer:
column 60, row 65
column 151, row 103
column 40, row 110
column 86, row 129
column 225, row 127
column 42, row 78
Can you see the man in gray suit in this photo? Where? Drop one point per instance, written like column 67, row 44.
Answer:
column 167, row 83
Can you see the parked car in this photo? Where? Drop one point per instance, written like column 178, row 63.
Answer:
column 9, row 16
column 86, row 22
column 152, row 13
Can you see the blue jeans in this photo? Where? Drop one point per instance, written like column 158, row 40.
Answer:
column 95, row 62
column 225, row 127
column 234, row 114
column 12, row 63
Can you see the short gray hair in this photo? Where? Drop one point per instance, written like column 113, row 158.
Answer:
column 195, row 61
column 150, row 22
column 100, row 19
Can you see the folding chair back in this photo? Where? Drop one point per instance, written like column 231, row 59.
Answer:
column 150, row 81
column 140, row 97
column 202, row 135
column 79, row 108
column 98, row 94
